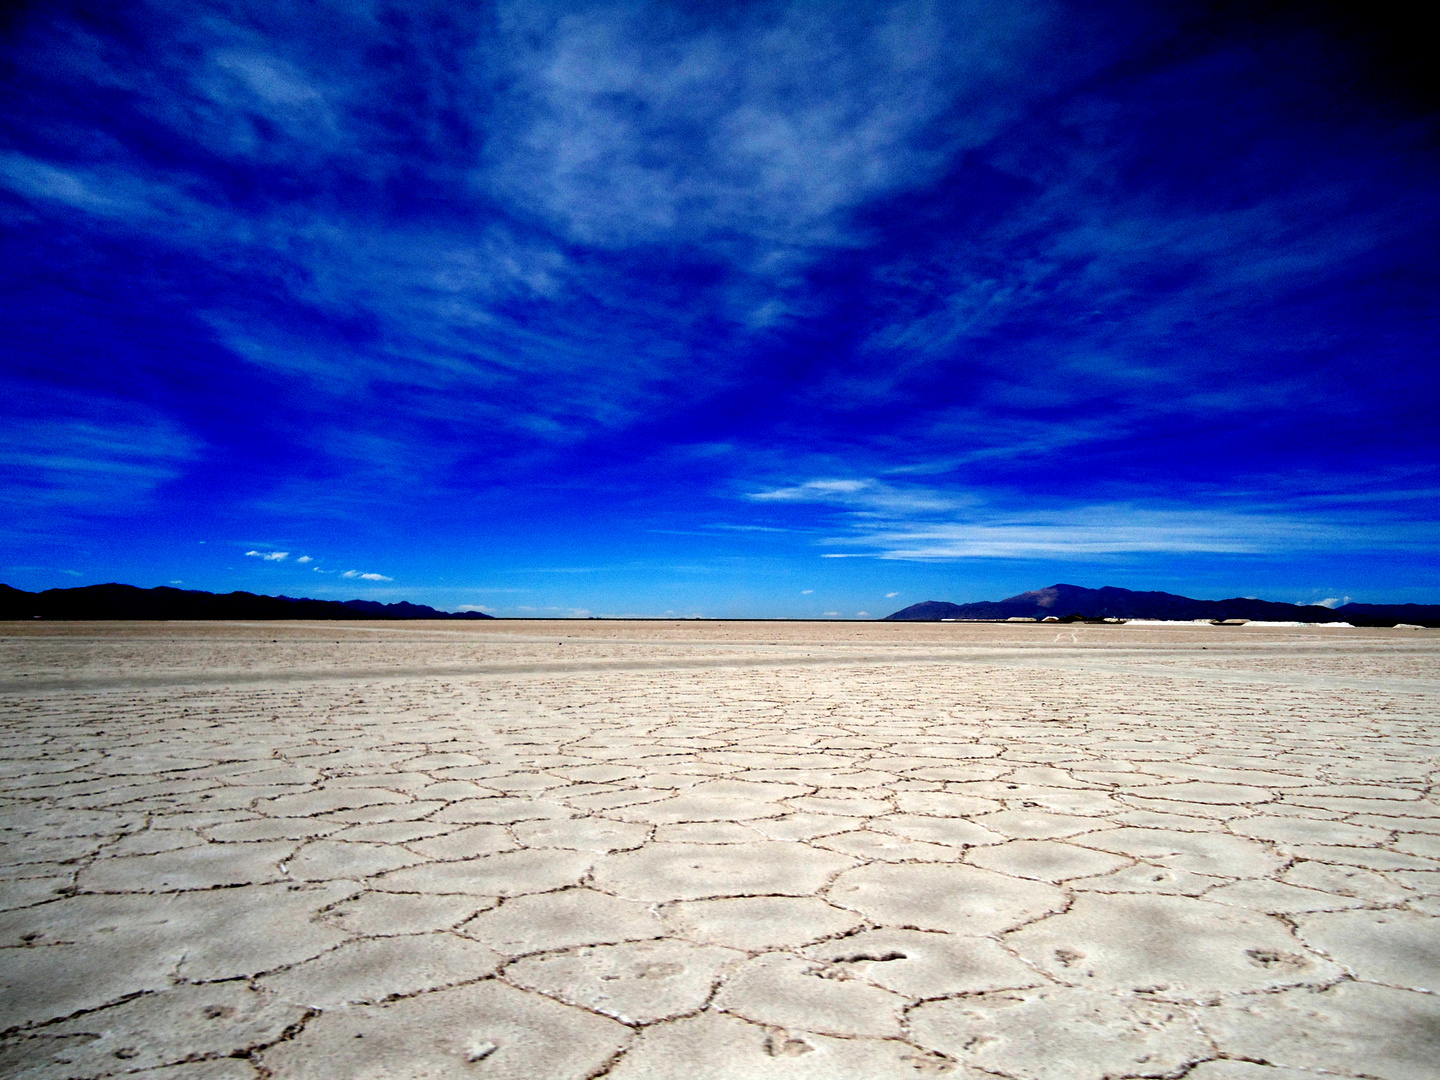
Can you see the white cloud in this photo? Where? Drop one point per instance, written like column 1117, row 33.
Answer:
column 1333, row 601
column 832, row 613
column 814, row 491
column 98, row 193
column 754, row 134
column 865, row 495
column 861, row 614
column 87, row 455
column 806, row 592
column 623, row 124
column 923, row 524
column 304, row 559
column 269, row 556
column 271, row 80
column 891, row 595
column 1078, row 534
column 365, row 577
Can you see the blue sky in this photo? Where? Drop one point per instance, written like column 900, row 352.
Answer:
column 803, row 310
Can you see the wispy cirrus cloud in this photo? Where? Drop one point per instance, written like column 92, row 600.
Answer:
column 926, row 525
column 1085, row 533
column 739, row 145
column 865, row 496
column 269, row 556
column 554, row 151
column 64, row 455
column 632, row 123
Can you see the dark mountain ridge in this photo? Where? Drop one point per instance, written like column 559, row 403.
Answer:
column 1073, row 601
column 130, row 602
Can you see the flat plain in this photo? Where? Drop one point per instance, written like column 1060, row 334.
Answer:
column 718, row 851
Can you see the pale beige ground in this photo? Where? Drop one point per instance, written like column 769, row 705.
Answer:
column 698, row 850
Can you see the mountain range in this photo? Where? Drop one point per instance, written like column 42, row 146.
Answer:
column 1074, row 602
column 129, row 602
column 1069, row 602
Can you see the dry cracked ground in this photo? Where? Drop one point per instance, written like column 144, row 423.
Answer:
column 706, row 851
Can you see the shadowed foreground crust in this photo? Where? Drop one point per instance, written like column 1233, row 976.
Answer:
column 718, row 852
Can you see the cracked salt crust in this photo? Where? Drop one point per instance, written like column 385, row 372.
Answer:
column 725, row 851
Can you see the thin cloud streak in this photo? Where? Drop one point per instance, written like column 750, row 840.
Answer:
column 923, row 526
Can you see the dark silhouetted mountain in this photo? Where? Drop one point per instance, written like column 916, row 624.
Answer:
column 1072, row 602
column 129, row 602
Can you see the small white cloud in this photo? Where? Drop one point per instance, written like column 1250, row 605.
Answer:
column 370, row 577
column 891, row 595
column 1333, row 601
column 304, row 559
column 177, row 583
column 351, row 574
column 806, row 592
column 832, row 613
column 861, row 614
column 72, row 573
column 269, row 556
column 813, row 491
column 868, row 496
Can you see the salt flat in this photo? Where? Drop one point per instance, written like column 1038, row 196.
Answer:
column 718, row 850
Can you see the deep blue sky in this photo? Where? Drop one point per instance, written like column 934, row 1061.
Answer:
column 767, row 310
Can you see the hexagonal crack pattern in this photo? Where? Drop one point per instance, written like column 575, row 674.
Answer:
column 770, row 860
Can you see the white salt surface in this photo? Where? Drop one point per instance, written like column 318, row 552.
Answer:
column 732, row 850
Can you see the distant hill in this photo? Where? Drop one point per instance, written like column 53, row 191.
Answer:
column 1072, row 601
column 129, row 602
